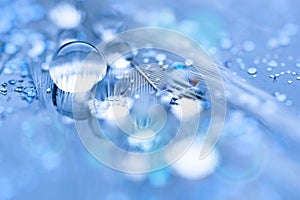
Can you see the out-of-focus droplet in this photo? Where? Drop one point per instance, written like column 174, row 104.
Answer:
column 226, row 43
column 66, row 16
column 189, row 166
column 115, row 51
column 280, row 97
column 160, row 57
column 248, row 45
column 272, row 63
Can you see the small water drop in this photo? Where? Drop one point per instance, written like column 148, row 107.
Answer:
column 3, row 91
column 252, row 71
column 160, row 57
column 19, row 89
column 10, row 48
column 256, row 61
column 137, row 96
column 66, row 16
column 146, row 60
column 248, row 45
column 280, row 97
column 30, row 92
column 290, row 81
column 12, row 82
column 226, row 43
column 298, row 78
column 24, row 73
column 272, row 63
column 273, row 43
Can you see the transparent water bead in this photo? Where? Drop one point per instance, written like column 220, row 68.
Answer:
column 252, row 71
column 113, row 52
column 77, row 67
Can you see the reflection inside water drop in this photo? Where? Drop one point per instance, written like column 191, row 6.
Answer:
column 77, row 67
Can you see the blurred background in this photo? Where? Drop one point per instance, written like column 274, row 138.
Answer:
column 41, row 156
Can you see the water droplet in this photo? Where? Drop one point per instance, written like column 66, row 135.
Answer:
column 28, row 99
column 248, row 46
column 66, row 16
column 252, row 71
column 77, row 67
column 273, row 43
column 19, row 89
column 280, row 97
column 120, row 63
column 272, row 63
column 38, row 47
column 24, row 73
column 10, row 48
column 48, row 90
column 160, row 57
column 288, row 103
column 226, row 43
column 3, row 91
column 298, row 78
column 256, row 61
column 294, row 73
column 146, row 60
column 12, row 82
column 4, row 84
column 137, row 96
column 239, row 60
column 269, row 69
column 290, row 81
column 108, row 24
column 30, row 92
